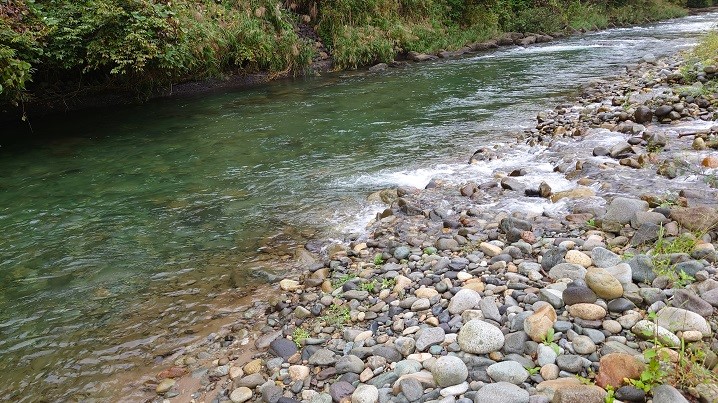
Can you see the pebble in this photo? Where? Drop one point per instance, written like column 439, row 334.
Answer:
column 503, row 392
column 460, row 305
column 479, row 337
column 449, row 370
column 365, row 394
column 240, row 395
column 587, row 311
column 463, row 300
column 508, row 371
column 603, row 283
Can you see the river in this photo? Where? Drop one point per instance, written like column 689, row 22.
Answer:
column 120, row 226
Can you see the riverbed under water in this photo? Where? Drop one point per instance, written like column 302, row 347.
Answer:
column 120, row 226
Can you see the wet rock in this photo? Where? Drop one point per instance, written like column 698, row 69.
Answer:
column 663, row 111
column 165, row 385
column 643, row 114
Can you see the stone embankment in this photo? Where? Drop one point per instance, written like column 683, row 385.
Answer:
column 610, row 294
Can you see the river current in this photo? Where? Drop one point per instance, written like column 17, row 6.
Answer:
column 121, row 226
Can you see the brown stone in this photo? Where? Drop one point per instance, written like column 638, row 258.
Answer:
column 700, row 218
column 710, row 162
column 538, row 324
column 615, row 367
column 172, row 372
column 580, row 393
column 577, row 193
column 549, row 388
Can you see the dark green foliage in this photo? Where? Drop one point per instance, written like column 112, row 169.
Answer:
column 143, row 44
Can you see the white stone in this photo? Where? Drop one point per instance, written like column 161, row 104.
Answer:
column 365, row 394
column 479, row 337
column 240, row 395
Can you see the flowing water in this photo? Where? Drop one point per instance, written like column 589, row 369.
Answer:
column 120, row 226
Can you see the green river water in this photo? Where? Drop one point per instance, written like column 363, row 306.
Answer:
column 111, row 216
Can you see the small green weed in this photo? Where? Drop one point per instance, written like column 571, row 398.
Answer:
column 337, row 316
column 534, row 370
column 343, row 280
column 299, row 335
column 388, row 283
column 653, row 374
column 610, row 394
column 370, row 286
column 548, row 340
column 591, row 223
column 378, row 259
column 661, row 252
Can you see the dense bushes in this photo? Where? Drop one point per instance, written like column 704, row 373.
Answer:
column 372, row 31
column 55, row 45
column 141, row 43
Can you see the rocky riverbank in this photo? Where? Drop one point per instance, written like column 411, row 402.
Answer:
column 456, row 294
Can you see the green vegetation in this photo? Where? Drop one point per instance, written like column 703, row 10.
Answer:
column 549, row 341
column 299, row 335
column 62, row 47
column 336, row 315
column 653, row 374
column 369, row 286
column 388, row 283
column 145, row 43
column 661, row 258
column 378, row 259
column 343, row 280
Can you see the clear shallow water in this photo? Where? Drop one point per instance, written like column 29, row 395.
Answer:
column 120, row 226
